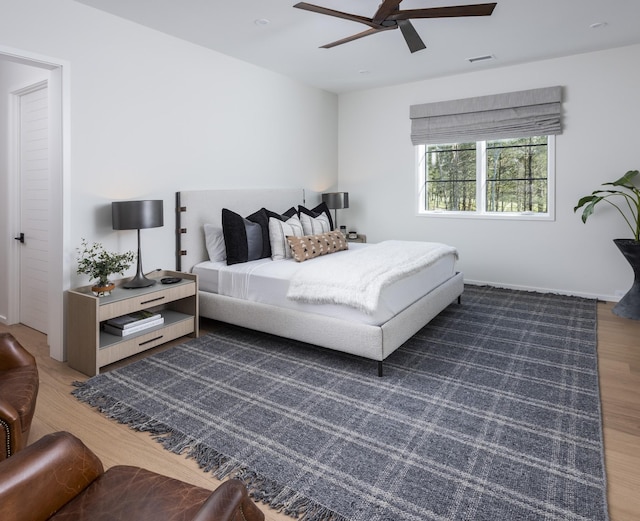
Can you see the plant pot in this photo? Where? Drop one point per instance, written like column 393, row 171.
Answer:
column 102, row 290
column 629, row 305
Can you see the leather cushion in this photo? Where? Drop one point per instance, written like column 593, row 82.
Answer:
column 125, row 492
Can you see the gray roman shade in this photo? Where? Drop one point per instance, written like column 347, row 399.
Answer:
column 536, row 112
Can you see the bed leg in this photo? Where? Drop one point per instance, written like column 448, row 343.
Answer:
column 459, row 299
column 380, row 369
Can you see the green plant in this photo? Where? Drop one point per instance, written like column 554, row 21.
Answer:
column 629, row 208
column 99, row 264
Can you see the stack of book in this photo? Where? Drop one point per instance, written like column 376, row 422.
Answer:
column 133, row 323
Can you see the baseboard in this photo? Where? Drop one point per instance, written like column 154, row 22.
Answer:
column 605, row 298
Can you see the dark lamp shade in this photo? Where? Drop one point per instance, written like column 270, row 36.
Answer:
column 136, row 215
column 336, row 200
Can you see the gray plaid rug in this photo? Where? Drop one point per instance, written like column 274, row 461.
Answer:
column 491, row 412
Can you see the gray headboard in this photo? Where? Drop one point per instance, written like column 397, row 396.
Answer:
column 195, row 208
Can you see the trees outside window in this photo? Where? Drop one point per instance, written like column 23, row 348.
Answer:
column 500, row 177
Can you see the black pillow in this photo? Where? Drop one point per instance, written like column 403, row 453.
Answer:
column 281, row 216
column 314, row 212
column 262, row 218
column 244, row 238
column 290, row 213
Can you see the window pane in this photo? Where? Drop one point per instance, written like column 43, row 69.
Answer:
column 517, row 175
column 450, row 173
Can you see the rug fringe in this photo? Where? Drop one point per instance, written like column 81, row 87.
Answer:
column 279, row 497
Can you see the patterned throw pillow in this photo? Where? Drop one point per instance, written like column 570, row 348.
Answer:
column 310, row 246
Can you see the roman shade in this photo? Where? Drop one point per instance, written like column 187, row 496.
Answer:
column 535, row 112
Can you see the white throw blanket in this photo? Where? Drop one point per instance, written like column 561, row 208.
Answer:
column 357, row 278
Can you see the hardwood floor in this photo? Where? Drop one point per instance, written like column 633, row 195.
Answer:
column 619, row 365
column 619, row 362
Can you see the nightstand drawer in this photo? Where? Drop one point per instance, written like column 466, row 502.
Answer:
column 148, row 300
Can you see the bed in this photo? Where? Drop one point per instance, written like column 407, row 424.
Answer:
column 406, row 306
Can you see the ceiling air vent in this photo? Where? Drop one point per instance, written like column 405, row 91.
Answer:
column 481, row 58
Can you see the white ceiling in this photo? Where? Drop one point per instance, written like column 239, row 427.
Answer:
column 518, row 31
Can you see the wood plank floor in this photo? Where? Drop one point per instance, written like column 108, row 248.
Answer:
column 619, row 361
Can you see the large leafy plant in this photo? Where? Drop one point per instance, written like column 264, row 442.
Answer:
column 627, row 195
column 99, row 264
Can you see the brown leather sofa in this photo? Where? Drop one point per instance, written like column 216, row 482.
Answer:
column 18, row 392
column 59, row 478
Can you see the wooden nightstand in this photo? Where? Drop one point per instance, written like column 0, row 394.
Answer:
column 360, row 238
column 89, row 347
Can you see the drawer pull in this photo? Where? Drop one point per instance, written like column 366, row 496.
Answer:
column 150, row 340
column 152, row 300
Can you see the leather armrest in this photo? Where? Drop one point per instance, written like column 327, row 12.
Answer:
column 229, row 502
column 12, row 354
column 10, row 431
column 43, row 477
column 8, row 412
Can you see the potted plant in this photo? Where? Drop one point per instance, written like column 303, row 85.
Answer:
column 99, row 264
column 625, row 198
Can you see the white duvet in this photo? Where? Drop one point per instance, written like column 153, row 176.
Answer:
column 357, row 279
column 267, row 282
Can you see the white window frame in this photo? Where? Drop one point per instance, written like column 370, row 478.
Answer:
column 480, row 212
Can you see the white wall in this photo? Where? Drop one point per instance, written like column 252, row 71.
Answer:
column 151, row 115
column 600, row 142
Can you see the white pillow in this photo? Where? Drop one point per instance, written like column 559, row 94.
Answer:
column 314, row 225
column 278, row 231
column 214, row 239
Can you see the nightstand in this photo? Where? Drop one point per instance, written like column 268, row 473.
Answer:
column 89, row 347
column 360, row 238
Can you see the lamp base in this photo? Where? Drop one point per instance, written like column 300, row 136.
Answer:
column 139, row 281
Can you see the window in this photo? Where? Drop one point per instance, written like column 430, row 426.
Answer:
column 497, row 178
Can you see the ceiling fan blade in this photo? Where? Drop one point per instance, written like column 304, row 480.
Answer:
column 357, row 36
column 411, row 36
column 386, row 8
column 337, row 14
column 445, row 12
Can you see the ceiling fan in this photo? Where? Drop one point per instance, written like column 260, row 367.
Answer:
column 389, row 16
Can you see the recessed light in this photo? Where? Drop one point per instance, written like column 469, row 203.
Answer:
column 598, row 25
column 262, row 21
column 481, row 58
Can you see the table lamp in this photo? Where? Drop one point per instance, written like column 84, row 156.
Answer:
column 336, row 201
column 135, row 215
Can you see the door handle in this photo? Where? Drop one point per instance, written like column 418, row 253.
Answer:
column 20, row 238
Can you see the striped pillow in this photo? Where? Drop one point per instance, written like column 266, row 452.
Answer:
column 315, row 225
column 278, row 232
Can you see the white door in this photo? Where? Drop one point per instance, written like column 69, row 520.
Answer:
column 34, row 208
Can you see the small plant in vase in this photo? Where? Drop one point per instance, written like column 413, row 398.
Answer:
column 99, row 264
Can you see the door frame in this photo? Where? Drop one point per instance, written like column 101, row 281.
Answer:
column 59, row 185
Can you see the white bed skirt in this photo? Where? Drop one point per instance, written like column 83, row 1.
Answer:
column 368, row 341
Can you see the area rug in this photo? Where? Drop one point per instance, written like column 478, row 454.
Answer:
column 490, row 412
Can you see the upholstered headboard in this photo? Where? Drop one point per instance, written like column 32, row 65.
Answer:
column 195, row 208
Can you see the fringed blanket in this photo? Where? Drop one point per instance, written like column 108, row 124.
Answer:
column 357, row 279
